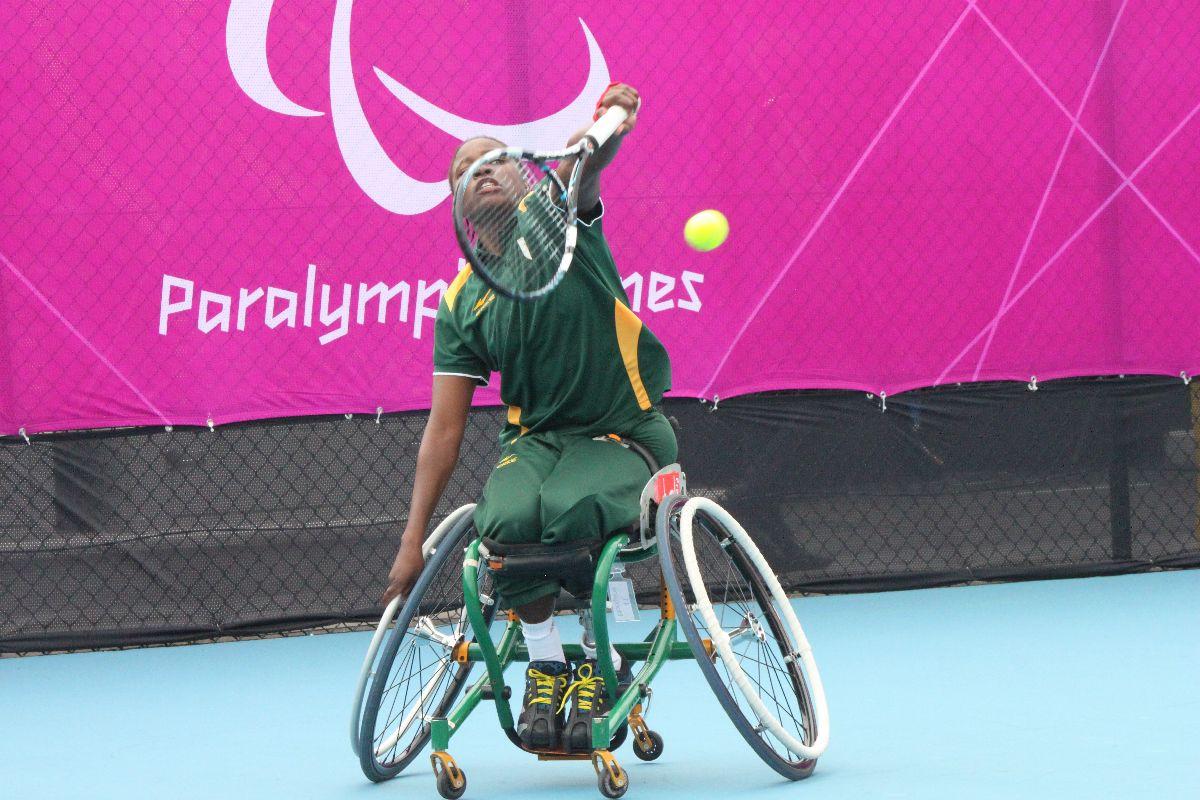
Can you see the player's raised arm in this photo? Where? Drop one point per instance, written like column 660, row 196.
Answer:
column 626, row 97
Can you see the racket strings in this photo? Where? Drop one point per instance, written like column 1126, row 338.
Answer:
column 514, row 212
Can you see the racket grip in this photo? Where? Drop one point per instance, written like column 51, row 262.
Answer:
column 604, row 127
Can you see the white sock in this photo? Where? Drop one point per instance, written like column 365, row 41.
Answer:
column 590, row 652
column 543, row 641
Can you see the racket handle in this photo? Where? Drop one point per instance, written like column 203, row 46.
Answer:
column 604, row 127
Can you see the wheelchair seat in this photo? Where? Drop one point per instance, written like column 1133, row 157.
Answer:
column 573, row 564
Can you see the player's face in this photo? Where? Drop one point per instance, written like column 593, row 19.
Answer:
column 495, row 187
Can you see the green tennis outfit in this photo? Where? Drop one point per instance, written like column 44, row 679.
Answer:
column 574, row 365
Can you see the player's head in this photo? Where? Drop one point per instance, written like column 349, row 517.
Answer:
column 467, row 154
column 495, row 187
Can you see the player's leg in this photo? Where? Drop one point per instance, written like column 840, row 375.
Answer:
column 509, row 513
column 594, row 490
column 595, row 485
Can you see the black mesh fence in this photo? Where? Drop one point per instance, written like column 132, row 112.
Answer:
column 141, row 536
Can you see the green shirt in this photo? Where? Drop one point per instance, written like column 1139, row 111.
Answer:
column 577, row 359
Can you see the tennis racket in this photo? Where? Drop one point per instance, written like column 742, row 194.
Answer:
column 515, row 212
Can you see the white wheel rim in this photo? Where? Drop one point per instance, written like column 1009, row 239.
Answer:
column 720, row 639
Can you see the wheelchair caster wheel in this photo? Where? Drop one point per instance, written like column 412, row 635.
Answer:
column 648, row 746
column 609, row 789
column 611, row 779
column 451, row 781
column 446, row 787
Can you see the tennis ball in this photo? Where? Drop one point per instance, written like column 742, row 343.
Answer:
column 706, row 230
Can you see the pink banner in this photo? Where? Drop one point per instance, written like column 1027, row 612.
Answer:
column 233, row 211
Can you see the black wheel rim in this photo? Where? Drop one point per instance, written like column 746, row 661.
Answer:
column 414, row 654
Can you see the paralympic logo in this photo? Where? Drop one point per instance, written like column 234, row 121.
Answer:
column 369, row 164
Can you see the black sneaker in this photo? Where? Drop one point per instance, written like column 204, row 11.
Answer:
column 588, row 701
column 541, row 720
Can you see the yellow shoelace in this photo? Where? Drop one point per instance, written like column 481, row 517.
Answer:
column 544, row 685
column 586, row 685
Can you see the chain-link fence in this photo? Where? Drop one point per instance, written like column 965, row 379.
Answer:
column 213, row 214
column 129, row 537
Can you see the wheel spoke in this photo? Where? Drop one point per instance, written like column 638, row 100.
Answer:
column 421, row 678
column 744, row 611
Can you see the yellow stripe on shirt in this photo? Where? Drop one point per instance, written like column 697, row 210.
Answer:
column 514, row 418
column 629, row 328
column 456, row 286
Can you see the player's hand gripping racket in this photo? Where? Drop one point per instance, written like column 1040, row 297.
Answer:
column 515, row 212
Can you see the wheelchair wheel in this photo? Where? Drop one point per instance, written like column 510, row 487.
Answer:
column 415, row 677
column 744, row 634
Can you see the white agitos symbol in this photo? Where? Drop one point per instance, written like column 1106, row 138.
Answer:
column 369, row 164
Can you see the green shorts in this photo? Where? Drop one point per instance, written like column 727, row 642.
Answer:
column 562, row 487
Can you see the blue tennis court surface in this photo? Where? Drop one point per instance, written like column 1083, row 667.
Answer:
column 1075, row 688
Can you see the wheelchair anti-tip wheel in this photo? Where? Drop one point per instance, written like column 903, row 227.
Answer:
column 648, row 747
column 744, row 634
column 413, row 676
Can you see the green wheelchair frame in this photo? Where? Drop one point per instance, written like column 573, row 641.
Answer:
column 666, row 512
column 663, row 645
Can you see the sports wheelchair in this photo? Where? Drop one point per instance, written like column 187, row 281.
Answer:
column 714, row 586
